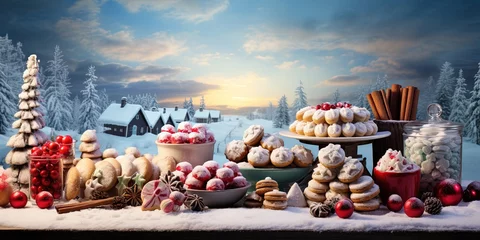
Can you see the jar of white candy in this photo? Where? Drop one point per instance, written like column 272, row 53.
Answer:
column 436, row 146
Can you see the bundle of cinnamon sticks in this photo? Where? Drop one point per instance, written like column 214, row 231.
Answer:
column 395, row 103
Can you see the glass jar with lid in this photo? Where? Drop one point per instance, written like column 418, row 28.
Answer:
column 436, row 146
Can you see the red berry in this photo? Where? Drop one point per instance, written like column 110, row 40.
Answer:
column 36, row 181
column 53, row 147
column 333, row 106
column 33, row 189
column 318, row 107
column 44, row 173
column 49, row 166
column 325, row 106
column 34, row 172
column 41, row 188
column 57, row 195
column 67, row 139
column 56, row 185
column 59, row 139
column 347, row 105
column 339, row 105
column 34, row 149
column 54, row 174
column 46, row 182
column 45, row 149
column 39, row 165
column 65, row 150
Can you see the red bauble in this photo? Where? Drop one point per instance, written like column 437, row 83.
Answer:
column 449, row 191
column 344, row 208
column 18, row 199
column 414, row 207
column 395, row 203
column 59, row 139
column 472, row 192
column 44, row 199
column 67, row 139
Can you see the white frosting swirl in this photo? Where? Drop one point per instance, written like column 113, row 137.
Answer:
column 394, row 161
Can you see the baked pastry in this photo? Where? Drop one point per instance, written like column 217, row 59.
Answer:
column 346, row 115
column 332, row 156
column 318, row 187
column 115, row 164
column 374, row 127
column 360, row 129
column 236, row 151
column 134, row 151
column 308, row 115
column 365, row 196
column 319, row 116
column 338, row 186
column 359, row 115
column 88, row 147
column 275, row 200
column 338, row 195
column 321, row 130
column 253, row 200
column 85, row 167
column 293, row 127
column 323, row 174
column 369, row 128
column 312, row 196
column 332, row 116
column 300, row 126
column 348, row 129
column 128, row 169
column 361, row 185
column 144, row 167
column 253, row 135
column 302, row 157
column 281, row 157
column 271, row 142
column 105, row 174
column 367, row 114
column 370, row 205
column 299, row 114
column 258, row 157
column 89, row 136
column 351, row 170
column 109, row 153
column 97, row 154
column 266, row 185
column 309, row 129
column 334, row 130
column 72, row 184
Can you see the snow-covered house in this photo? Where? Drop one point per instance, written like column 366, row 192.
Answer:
column 124, row 119
column 178, row 114
column 202, row 116
column 158, row 119
column 215, row 115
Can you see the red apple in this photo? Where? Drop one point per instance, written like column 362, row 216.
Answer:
column 344, row 208
column 18, row 199
column 44, row 199
column 59, row 139
column 414, row 207
column 395, row 203
column 449, row 191
column 67, row 139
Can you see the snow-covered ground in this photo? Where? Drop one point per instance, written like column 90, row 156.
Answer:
column 232, row 128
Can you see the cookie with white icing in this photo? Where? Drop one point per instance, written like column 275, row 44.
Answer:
column 253, row 135
column 236, row 151
column 332, row 156
column 258, row 157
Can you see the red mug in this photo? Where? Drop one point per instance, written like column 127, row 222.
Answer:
column 405, row 184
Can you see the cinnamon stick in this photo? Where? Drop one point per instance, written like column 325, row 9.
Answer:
column 403, row 103
column 385, row 102
column 380, row 106
column 71, row 207
column 372, row 106
column 416, row 96
column 389, row 97
column 408, row 107
column 395, row 99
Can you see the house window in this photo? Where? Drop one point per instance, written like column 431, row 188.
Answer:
column 121, row 130
column 114, row 129
column 137, row 117
column 157, row 129
column 141, row 130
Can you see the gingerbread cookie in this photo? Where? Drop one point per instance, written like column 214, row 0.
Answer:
column 363, row 184
column 275, row 200
column 338, row 186
column 339, row 195
column 106, row 175
column 128, row 168
column 253, row 135
column 315, row 197
column 97, row 154
column 88, row 147
column 318, row 187
column 351, row 170
column 115, row 164
column 266, row 185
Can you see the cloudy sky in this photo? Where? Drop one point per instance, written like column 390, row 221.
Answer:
column 246, row 53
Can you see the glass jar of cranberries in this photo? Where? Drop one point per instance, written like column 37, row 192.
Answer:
column 46, row 173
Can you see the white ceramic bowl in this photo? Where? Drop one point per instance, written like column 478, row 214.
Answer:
column 221, row 199
column 196, row 154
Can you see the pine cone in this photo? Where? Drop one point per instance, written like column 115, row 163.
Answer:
column 119, row 202
column 433, row 205
column 331, row 203
column 320, row 210
column 96, row 194
column 426, row 195
column 173, row 182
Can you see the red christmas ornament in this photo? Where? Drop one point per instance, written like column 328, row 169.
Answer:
column 449, row 191
column 472, row 192
column 414, row 207
column 67, row 139
column 395, row 203
column 18, row 199
column 44, row 199
column 344, row 208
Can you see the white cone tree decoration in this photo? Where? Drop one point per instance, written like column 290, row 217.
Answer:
column 29, row 122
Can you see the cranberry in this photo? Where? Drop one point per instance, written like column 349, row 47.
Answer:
column 54, row 147
column 34, row 195
column 57, row 195
column 44, row 173
column 36, row 181
column 67, row 139
column 34, row 172
column 56, row 185
column 54, row 174
column 33, row 189
column 41, row 188
column 318, row 107
column 325, row 106
column 65, row 150
column 59, row 139
column 39, row 165
column 45, row 149
column 347, row 105
column 333, row 106
column 46, row 182
column 339, row 105
column 49, row 166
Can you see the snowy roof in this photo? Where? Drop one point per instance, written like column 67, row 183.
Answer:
column 153, row 117
column 214, row 113
column 178, row 115
column 115, row 114
column 201, row 114
column 165, row 117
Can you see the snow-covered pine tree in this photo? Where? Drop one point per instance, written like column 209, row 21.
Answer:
column 282, row 117
column 104, row 101
column 444, row 89
column 29, row 124
column 7, row 107
column 190, row 108
column 361, row 97
column 13, row 60
column 76, row 113
column 472, row 129
column 336, row 96
column 89, row 109
column 459, row 101
column 202, row 103
column 57, row 94
column 270, row 111
column 300, row 100
column 185, row 104
column 425, row 99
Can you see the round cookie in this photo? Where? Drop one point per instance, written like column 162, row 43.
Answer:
column 331, row 195
column 370, row 205
column 144, row 168
column 332, row 156
column 332, row 116
column 319, row 116
column 275, row 205
column 281, row 157
column 365, row 196
column 106, row 175
column 85, row 167
column 308, row 115
column 348, row 129
column 89, row 136
column 72, row 184
column 115, row 164
column 309, row 129
column 153, row 193
column 253, row 200
column 323, row 174
column 258, row 157
column 92, row 155
column 293, row 127
column 89, row 147
column 266, row 185
column 334, row 130
column 317, row 187
column 363, row 184
column 128, row 169
column 236, row 151
column 338, row 186
column 299, row 113
column 253, row 135
column 321, row 130
column 128, row 157
column 271, row 142
column 316, row 197
column 346, row 115
column 109, row 153
column 351, row 170
column 299, row 127
column 134, row 151
column 165, row 164
column 148, row 156
column 360, row 129
column 275, row 195
column 302, row 157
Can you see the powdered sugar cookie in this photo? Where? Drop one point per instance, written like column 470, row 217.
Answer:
column 332, row 156
column 258, row 157
column 302, row 157
column 318, row 187
column 309, row 129
column 299, row 113
column 332, row 116
column 106, row 175
column 165, row 164
column 236, row 151
column 332, row 194
column 346, row 115
column 148, row 156
column 338, row 186
column 253, row 135
column 334, row 130
column 351, row 170
column 293, row 127
column 363, row 184
column 88, row 147
column 369, row 128
column 321, row 130
column 308, row 115
column 300, row 126
column 115, row 164
column 365, row 196
column 359, row 115
column 271, row 142
column 348, row 129
column 134, row 151
column 128, row 169
column 128, row 157
column 144, row 168
column 153, row 193
column 370, row 205
column 89, row 136
column 110, row 153
column 72, row 184
column 319, row 116
column 360, row 129
column 316, row 197
column 85, row 167
column 281, row 157
column 323, row 174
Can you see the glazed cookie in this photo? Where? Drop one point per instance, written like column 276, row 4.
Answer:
column 299, row 114
column 332, row 194
column 308, row 115
column 110, row 153
column 323, row 174
column 293, row 127
column 370, row 205
column 144, row 168
column 106, row 175
column 281, row 157
column 351, row 170
column 89, row 136
column 332, row 116
column 88, row 147
column 253, row 135
column 258, row 157
column 115, row 164
column 334, row 130
column 85, row 167
column 128, row 169
column 346, row 115
column 319, row 116
column 271, row 142
column 266, row 185
column 318, row 187
column 338, row 186
column 360, row 129
column 332, row 156
column 348, row 129
column 134, row 151
column 358, row 114
column 72, row 184
column 92, row 155
column 302, row 157
column 365, row 196
column 300, row 126
column 275, row 205
column 236, row 151
column 275, row 195
column 316, row 197
column 321, row 130
column 309, row 129
column 253, row 200
column 363, row 184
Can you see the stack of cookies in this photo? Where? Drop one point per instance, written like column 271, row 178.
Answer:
column 275, row 200
column 365, row 194
column 89, row 146
column 266, row 185
column 253, row 200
